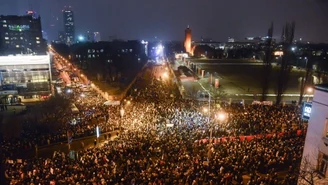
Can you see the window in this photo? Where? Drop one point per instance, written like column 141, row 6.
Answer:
column 17, row 46
column 21, row 38
column 4, row 21
column 89, row 50
column 5, row 25
column 38, row 42
column 101, row 50
column 323, row 163
column 89, row 56
column 131, row 50
column 6, row 38
column 37, row 38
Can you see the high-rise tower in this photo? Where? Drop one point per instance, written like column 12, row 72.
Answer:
column 187, row 41
column 69, row 25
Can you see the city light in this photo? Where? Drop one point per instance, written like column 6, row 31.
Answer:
column 205, row 110
column 81, row 38
column 165, row 75
column 221, row 116
column 159, row 50
column 309, row 89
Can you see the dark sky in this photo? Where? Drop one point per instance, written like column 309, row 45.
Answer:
column 167, row 19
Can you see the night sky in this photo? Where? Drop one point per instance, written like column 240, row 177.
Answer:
column 167, row 19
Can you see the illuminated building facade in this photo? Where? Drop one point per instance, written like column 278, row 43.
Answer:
column 26, row 76
column 69, row 26
column 21, row 35
column 187, row 41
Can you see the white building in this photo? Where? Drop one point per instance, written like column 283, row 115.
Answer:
column 315, row 153
column 26, row 75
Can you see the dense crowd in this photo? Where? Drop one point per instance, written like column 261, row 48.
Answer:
column 150, row 151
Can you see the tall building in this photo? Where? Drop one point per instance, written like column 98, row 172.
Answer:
column 96, row 37
column 21, row 35
column 69, row 26
column 187, row 41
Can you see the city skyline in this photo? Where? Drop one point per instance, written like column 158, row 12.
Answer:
column 167, row 20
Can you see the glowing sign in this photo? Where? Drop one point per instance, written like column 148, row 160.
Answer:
column 307, row 108
column 19, row 27
column 278, row 53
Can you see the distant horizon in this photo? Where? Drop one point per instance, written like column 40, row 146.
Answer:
column 168, row 19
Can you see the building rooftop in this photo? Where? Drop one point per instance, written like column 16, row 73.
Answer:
column 322, row 87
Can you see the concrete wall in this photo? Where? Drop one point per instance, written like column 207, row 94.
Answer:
column 316, row 129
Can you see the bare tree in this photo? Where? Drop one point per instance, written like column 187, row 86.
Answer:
column 267, row 64
column 287, row 39
column 305, row 79
column 308, row 174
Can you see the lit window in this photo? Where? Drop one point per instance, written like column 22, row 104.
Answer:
column 37, row 38
column 5, row 25
column 4, row 21
column 17, row 46
column 93, row 51
column 38, row 42
column 131, row 50
column 6, row 38
column 7, row 34
column 101, row 50
column 89, row 51
column 21, row 38
column 7, row 42
column 93, row 56
column 89, row 56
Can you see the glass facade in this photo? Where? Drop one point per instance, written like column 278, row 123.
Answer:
column 28, row 77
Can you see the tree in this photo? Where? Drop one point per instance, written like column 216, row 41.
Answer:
column 287, row 39
column 218, row 94
column 306, row 79
column 308, row 174
column 267, row 64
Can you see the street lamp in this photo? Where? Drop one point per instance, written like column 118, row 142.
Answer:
column 309, row 90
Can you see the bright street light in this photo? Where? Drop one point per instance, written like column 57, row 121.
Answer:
column 309, row 89
column 205, row 110
column 165, row 75
column 221, row 116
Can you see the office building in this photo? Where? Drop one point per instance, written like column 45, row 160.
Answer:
column 25, row 76
column 21, row 35
column 69, row 26
column 315, row 153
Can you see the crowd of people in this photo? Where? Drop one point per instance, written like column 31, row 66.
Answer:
column 157, row 143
